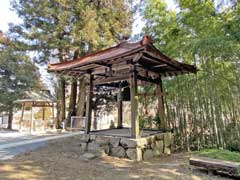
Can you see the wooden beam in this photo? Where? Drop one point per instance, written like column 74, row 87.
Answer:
column 160, row 65
column 146, row 72
column 120, row 110
column 114, row 84
column 111, row 79
column 109, row 71
column 150, row 68
column 148, row 79
column 102, row 64
column 89, row 105
column 134, row 105
column 85, row 67
column 152, row 60
column 137, row 57
column 159, row 58
column 160, row 109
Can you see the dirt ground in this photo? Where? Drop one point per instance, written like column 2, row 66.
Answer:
column 60, row 160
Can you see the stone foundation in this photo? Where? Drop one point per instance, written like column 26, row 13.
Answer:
column 135, row 149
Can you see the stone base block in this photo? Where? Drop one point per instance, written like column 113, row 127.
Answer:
column 134, row 154
column 118, row 152
column 135, row 149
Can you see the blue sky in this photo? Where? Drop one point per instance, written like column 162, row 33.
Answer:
column 6, row 15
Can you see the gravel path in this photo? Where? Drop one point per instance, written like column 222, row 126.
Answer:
column 9, row 153
column 14, row 136
column 60, row 160
column 19, row 143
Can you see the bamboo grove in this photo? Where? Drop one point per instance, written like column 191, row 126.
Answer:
column 202, row 109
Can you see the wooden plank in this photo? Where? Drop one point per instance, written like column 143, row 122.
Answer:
column 226, row 167
column 134, row 105
column 89, row 105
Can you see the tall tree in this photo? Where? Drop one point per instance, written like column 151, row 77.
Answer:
column 56, row 28
column 17, row 74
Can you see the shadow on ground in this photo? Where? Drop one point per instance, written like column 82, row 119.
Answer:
column 60, row 160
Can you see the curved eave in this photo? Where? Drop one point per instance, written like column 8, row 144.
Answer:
column 125, row 50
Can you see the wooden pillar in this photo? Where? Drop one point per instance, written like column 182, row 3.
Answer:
column 89, row 105
column 43, row 117
column 120, row 110
column 21, row 120
column 134, row 105
column 53, row 111
column 31, row 123
column 53, row 117
column 160, row 109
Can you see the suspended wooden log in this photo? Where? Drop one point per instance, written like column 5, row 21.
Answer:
column 125, row 95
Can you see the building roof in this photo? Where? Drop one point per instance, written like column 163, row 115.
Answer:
column 115, row 64
column 41, row 98
column 103, row 55
column 150, row 56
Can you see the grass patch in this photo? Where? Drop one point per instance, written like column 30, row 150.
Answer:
column 220, row 154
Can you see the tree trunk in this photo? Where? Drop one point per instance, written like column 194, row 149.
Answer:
column 10, row 117
column 72, row 102
column 81, row 98
column 73, row 95
column 61, row 102
column 62, row 99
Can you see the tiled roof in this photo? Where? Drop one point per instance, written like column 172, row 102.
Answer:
column 121, row 50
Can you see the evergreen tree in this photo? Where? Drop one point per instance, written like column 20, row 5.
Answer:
column 57, row 28
column 17, row 75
